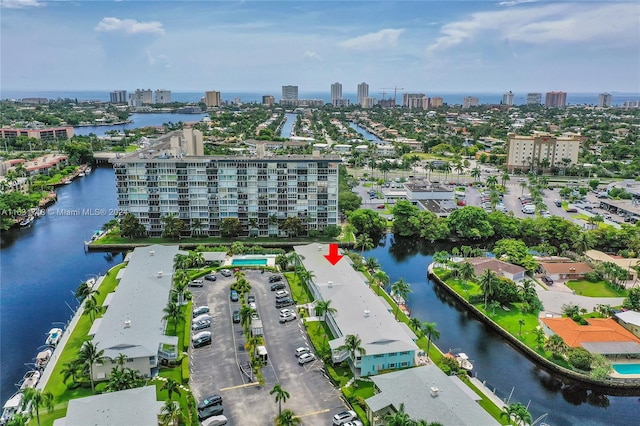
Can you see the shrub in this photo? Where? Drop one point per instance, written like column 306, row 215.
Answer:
column 579, row 358
column 184, row 367
column 592, row 277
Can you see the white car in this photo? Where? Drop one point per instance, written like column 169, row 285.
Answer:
column 285, row 311
column 200, row 335
column 287, row 318
column 305, row 358
column 353, row 423
column 201, row 318
column 281, row 293
column 200, row 310
column 253, row 305
column 344, row 417
column 301, row 351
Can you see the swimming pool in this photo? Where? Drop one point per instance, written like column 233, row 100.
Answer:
column 627, row 368
column 249, row 262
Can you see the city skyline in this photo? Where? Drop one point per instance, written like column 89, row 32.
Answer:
column 421, row 46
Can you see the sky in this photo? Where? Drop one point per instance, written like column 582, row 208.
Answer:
column 426, row 46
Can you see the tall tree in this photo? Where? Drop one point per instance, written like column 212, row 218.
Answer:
column 287, row 418
column 323, row 307
column 34, row 399
column 488, row 282
column 90, row 355
column 172, row 312
column 281, row 396
column 381, row 278
column 399, row 418
column 171, row 414
column 430, row 330
column 402, row 289
column 352, row 344
column 171, row 386
column 364, row 242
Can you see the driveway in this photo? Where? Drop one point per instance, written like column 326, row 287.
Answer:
column 216, row 369
column 559, row 294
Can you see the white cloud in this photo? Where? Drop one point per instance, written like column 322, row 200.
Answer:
column 550, row 23
column 515, row 2
column 129, row 26
column 311, row 55
column 20, row 4
column 374, row 41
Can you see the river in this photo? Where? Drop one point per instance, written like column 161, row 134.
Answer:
column 364, row 132
column 140, row 120
column 287, row 127
column 41, row 266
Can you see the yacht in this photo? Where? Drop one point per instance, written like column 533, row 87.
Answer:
column 11, row 408
column 53, row 337
column 43, row 357
column 462, row 358
column 30, row 380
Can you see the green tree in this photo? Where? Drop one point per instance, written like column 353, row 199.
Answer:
column 172, row 312
column 246, row 312
column 352, row 344
column 34, row 399
column 89, row 355
column 196, row 227
column 556, row 345
column 403, row 212
column 171, row 386
column 294, row 226
column 173, row 226
column 400, row 288
column 368, row 222
column 470, row 222
column 171, row 414
column 323, row 307
column 281, row 396
column 579, row 358
column 430, row 330
column 488, row 281
column 84, row 290
column 516, row 414
column 92, row 308
column 381, row 278
column 287, row 418
column 364, row 242
column 230, row 227
column 398, row 418
column 131, row 227
column 521, row 322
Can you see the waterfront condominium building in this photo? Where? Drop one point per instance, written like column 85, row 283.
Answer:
column 368, row 102
column 163, row 96
column 555, row 99
column 141, row 97
column 542, row 151
column 469, row 102
column 336, row 94
column 534, row 98
column 260, row 191
column 212, row 98
column 507, row 98
column 363, row 92
column 118, row 97
column 604, row 100
column 268, row 100
column 415, row 101
column 437, row 102
column 290, row 93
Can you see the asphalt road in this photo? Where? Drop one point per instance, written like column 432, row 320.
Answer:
column 216, row 369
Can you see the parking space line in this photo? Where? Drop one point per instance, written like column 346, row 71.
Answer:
column 246, row 385
column 313, row 413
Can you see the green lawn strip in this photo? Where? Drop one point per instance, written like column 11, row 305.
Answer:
column 486, row 403
column 131, row 148
column 118, row 240
column 595, row 289
column 299, row 292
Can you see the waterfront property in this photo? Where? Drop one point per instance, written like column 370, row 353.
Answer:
column 427, row 394
column 133, row 324
column 527, row 152
column 388, row 344
column 127, row 407
column 630, row 320
column 261, row 191
column 596, row 257
column 504, row 269
column 568, row 270
column 44, row 133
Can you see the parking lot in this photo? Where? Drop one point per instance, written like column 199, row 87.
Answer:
column 215, row 369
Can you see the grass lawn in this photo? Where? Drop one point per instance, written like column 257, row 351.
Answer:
column 299, row 292
column 131, row 148
column 117, row 240
column 580, row 216
column 595, row 289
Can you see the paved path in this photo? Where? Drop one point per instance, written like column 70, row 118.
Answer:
column 559, row 294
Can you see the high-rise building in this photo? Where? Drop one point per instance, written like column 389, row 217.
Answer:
column 368, row 102
column 555, row 99
column 118, row 97
column 604, row 100
column 541, row 151
column 469, row 102
column 141, row 97
column 437, row 102
column 336, row 93
column 534, row 98
column 163, row 96
column 290, row 93
column 164, row 180
column 212, row 98
column 363, row 92
column 415, row 101
column 507, row 98
column 268, row 100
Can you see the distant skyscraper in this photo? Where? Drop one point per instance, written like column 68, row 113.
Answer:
column 555, row 99
column 469, row 102
column 507, row 98
column 534, row 98
column 290, row 93
column 415, row 101
column 368, row 102
column 119, row 97
column 363, row 92
column 437, row 102
column 604, row 100
column 213, row 98
column 141, row 97
column 268, row 100
column 336, row 94
column 163, row 96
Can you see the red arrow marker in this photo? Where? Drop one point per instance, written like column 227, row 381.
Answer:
column 333, row 257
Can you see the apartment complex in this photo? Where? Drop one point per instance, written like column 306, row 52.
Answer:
column 212, row 98
column 469, row 102
column 141, row 97
column 542, row 151
column 604, row 100
column 46, row 133
column 415, row 101
column 336, row 93
column 507, row 98
column 555, row 99
column 163, row 96
column 268, row 100
column 368, row 102
column 118, row 97
column 261, row 191
column 534, row 98
column 290, row 93
column 363, row 92
column 437, row 102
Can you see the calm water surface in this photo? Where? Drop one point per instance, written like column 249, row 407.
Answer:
column 140, row 120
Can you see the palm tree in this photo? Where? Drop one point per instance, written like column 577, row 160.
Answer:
column 492, row 181
column 494, row 304
column 304, row 276
column 171, row 386
column 521, row 322
column 253, row 342
column 72, row 370
column 381, row 278
column 287, row 418
column 400, row 288
column 281, row 396
column 352, row 344
column 429, row 329
column 89, row 355
column 487, row 283
column 195, row 259
column 84, row 290
column 364, row 242
column 127, row 378
column 92, row 307
column 34, row 399
column 517, row 413
column 172, row 312
column 18, row 419
column 323, row 307
column 476, row 173
column 196, row 226
column 282, row 261
column 371, row 263
column 246, row 312
column 466, row 272
column 121, row 360
column 505, row 177
column 556, row 344
column 171, row 414
column 399, row 418
column 416, row 324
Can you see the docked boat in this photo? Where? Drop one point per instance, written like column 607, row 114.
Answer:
column 10, row 408
column 88, row 170
column 81, row 174
column 53, row 337
column 26, row 221
column 462, row 358
column 30, row 380
column 43, row 357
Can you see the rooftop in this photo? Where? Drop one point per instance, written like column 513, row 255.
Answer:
column 481, row 264
column 629, row 317
column 599, row 330
column 566, row 268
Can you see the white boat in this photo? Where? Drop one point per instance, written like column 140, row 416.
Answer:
column 81, row 174
column 26, row 221
column 43, row 357
column 88, row 171
column 53, row 336
column 462, row 358
column 30, row 380
column 11, row 408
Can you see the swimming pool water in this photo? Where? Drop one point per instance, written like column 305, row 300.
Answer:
column 249, row 262
column 627, row 368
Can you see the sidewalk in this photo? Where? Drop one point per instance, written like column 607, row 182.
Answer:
column 485, row 390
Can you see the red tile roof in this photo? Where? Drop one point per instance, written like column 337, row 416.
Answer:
column 598, row 330
column 566, row 268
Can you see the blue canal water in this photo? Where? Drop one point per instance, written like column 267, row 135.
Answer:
column 41, row 266
column 287, row 127
column 140, row 120
column 364, row 132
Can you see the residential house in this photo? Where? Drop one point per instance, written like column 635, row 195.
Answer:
column 596, row 257
column 504, row 269
column 565, row 271
column 427, row 394
column 629, row 320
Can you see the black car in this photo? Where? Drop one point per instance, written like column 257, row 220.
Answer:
column 233, row 295
column 200, row 342
column 214, row 410
column 547, row 280
column 236, row 316
column 209, row 401
column 277, row 286
column 285, row 302
column 251, row 298
column 275, row 278
column 210, row 277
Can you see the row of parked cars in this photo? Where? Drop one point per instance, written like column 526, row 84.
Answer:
column 210, row 411
column 201, row 320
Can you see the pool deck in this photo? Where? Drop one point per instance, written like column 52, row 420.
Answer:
column 271, row 259
column 617, row 375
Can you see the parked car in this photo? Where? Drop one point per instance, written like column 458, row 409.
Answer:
column 236, row 316
column 196, row 283
column 215, row 421
column 226, row 273
column 305, row 358
column 285, row 302
column 210, row 277
column 200, row 310
column 353, row 423
column 344, row 417
column 301, row 350
column 285, row 312
column 201, row 325
column 253, row 305
column 210, row 401
column 275, row 278
column 202, row 340
column 277, row 286
column 214, row 410
column 286, row 318
column 200, row 335
column 201, row 318
column 558, row 203
column 281, row 293
column 547, row 280
column 233, row 295
column 251, row 298
column 381, row 206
